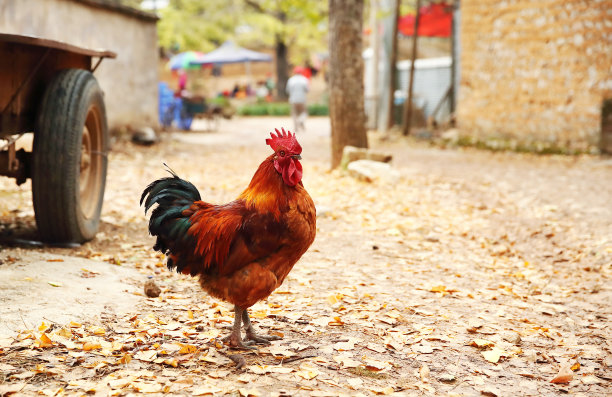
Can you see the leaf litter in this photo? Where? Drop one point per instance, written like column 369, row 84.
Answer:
column 476, row 286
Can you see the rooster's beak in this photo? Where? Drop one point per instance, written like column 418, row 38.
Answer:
column 297, row 157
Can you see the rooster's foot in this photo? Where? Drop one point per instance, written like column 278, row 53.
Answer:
column 235, row 342
column 251, row 336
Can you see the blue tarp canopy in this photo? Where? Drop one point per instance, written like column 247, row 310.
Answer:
column 231, row 53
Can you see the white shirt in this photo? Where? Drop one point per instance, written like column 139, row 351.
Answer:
column 297, row 87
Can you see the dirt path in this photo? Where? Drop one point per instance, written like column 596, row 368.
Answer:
column 477, row 274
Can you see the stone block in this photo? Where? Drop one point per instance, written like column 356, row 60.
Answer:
column 372, row 171
column 352, row 153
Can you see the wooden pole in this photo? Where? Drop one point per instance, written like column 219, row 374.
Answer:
column 407, row 120
column 392, row 66
column 374, row 44
column 454, row 49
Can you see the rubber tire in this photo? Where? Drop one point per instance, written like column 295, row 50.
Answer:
column 56, row 159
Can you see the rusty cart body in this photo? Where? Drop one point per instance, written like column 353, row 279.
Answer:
column 48, row 88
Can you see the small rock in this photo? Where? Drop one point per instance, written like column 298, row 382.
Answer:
column 512, row 337
column 352, row 153
column 369, row 171
column 151, row 289
column 447, row 378
column 432, row 238
column 376, row 156
column 451, row 135
column 144, row 136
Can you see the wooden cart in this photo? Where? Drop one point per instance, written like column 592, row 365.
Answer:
column 48, row 88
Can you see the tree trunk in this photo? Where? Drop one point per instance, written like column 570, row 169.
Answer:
column 346, row 107
column 282, row 64
column 282, row 69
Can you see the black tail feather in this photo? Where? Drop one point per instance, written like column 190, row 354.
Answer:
column 172, row 195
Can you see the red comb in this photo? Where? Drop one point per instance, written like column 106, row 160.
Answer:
column 284, row 139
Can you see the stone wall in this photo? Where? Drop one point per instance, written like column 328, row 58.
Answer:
column 535, row 72
column 130, row 80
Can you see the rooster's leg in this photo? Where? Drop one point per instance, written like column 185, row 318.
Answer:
column 235, row 339
column 250, row 331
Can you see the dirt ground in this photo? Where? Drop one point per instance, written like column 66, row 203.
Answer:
column 477, row 273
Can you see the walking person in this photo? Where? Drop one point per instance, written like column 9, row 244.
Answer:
column 297, row 88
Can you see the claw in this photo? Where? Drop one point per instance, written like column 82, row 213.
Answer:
column 235, row 342
column 250, row 332
column 261, row 339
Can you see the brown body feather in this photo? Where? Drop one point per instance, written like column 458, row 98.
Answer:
column 243, row 250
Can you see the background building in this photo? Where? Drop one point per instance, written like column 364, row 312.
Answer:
column 535, row 72
column 129, row 81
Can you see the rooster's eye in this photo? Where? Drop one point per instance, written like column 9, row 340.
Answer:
column 282, row 153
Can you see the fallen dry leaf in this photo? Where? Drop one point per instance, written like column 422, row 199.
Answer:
column 249, row 392
column 591, row 380
column 481, row 343
column 259, row 369
column 187, row 348
column 206, row 390
column 281, row 352
column 119, row 383
column 424, row 373
column 307, row 371
column 565, row 374
column 355, row 383
column 44, row 341
column 375, row 365
column 125, row 359
column 278, row 369
column 96, row 330
column 146, row 387
column 382, row 390
column 376, row 348
column 147, row 355
column 347, row 361
column 88, row 346
column 422, row 348
column 494, row 354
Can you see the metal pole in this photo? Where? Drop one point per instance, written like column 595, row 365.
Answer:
column 408, row 104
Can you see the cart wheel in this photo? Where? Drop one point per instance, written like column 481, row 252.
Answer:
column 69, row 158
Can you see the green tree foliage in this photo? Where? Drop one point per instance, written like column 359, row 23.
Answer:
column 198, row 25
column 297, row 28
column 300, row 24
column 203, row 25
column 293, row 28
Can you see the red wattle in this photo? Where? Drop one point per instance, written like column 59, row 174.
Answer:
column 292, row 173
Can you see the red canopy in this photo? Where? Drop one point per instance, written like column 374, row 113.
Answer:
column 434, row 21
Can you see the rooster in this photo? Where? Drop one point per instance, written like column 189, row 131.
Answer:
column 242, row 250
